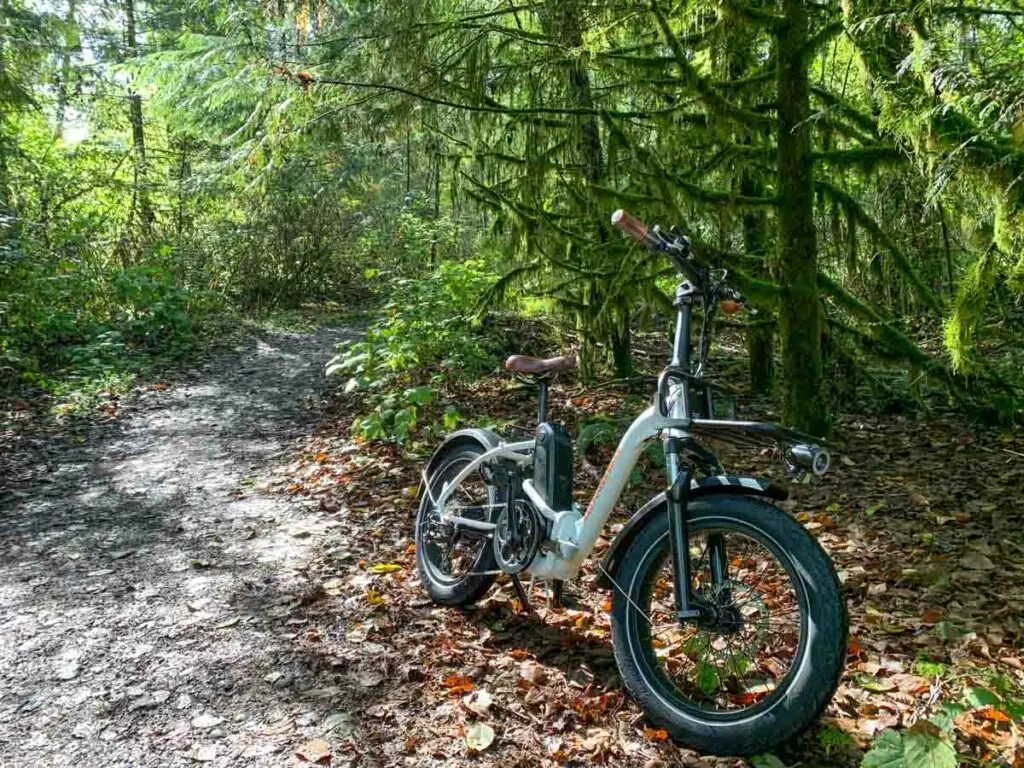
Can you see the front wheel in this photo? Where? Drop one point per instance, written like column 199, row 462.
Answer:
column 764, row 659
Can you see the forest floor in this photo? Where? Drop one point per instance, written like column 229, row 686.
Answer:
column 218, row 574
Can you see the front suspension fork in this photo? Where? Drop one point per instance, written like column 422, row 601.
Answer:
column 678, row 495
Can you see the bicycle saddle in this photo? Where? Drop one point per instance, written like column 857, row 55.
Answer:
column 526, row 364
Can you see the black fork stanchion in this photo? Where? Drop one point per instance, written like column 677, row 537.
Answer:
column 677, row 497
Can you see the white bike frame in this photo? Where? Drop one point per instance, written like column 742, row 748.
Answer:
column 573, row 534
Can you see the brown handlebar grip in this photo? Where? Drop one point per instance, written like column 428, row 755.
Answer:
column 730, row 306
column 631, row 226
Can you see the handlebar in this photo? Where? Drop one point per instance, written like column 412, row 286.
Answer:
column 678, row 250
column 631, row 225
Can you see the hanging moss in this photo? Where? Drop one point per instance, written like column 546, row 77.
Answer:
column 968, row 309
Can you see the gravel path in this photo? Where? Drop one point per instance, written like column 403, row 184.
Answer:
column 147, row 576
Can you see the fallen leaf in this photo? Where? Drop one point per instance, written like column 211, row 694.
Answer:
column 204, row 754
column 479, row 737
column 384, row 568
column 314, row 751
column 370, row 679
column 976, row 561
column 206, row 720
column 656, row 734
column 457, row 684
column 374, row 598
column 229, row 623
column 995, row 715
column 479, row 702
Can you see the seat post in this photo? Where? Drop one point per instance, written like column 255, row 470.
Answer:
column 542, row 406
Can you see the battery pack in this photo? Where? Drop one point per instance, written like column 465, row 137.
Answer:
column 552, row 466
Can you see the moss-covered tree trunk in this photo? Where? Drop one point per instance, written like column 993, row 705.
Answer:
column 804, row 406
column 760, row 336
column 563, row 25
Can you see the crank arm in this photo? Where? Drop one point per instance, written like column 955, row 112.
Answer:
column 468, row 523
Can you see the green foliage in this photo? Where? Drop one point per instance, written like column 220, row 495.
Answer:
column 596, row 433
column 428, row 334
column 975, row 289
column 922, row 746
column 259, row 159
column 75, row 331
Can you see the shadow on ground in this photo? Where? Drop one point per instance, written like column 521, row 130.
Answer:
column 148, row 586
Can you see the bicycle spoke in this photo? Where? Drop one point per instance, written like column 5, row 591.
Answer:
column 742, row 648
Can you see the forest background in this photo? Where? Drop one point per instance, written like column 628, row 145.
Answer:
column 857, row 167
column 170, row 171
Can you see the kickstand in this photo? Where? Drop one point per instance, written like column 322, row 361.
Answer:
column 555, row 594
column 523, row 598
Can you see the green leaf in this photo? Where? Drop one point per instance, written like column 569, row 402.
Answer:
column 944, row 716
column 594, row 433
column 886, row 752
column 981, row 697
column 706, row 678
column 419, row 395
column 479, row 737
column 451, row 418
column 767, row 761
column 923, row 746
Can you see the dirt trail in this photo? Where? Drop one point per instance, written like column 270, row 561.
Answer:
column 146, row 579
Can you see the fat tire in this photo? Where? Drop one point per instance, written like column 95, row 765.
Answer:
column 469, row 589
column 818, row 670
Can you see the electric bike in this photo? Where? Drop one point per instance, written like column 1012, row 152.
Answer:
column 728, row 621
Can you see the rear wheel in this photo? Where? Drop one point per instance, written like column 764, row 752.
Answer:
column 456, row 565
column 765, row 658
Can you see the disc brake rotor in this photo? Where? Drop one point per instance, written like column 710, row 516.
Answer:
column 737, row 615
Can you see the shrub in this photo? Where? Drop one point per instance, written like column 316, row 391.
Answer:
column 426, row 336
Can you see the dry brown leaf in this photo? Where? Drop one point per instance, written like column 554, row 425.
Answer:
column 457, row 684
column 314, row 751
column 976, row 561
column 995, row 715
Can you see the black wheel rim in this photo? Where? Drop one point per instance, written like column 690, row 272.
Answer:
column 741, row 658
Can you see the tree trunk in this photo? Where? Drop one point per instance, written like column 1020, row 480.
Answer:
column 141, row 193
column 5, row 182
column 804, row 405
column 622, row 348
column 562, row 25
column 760, row 338
column 65, row 67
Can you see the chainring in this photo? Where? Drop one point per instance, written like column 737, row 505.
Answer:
column 515, row 553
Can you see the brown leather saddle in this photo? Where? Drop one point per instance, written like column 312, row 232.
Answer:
column 539, row 365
